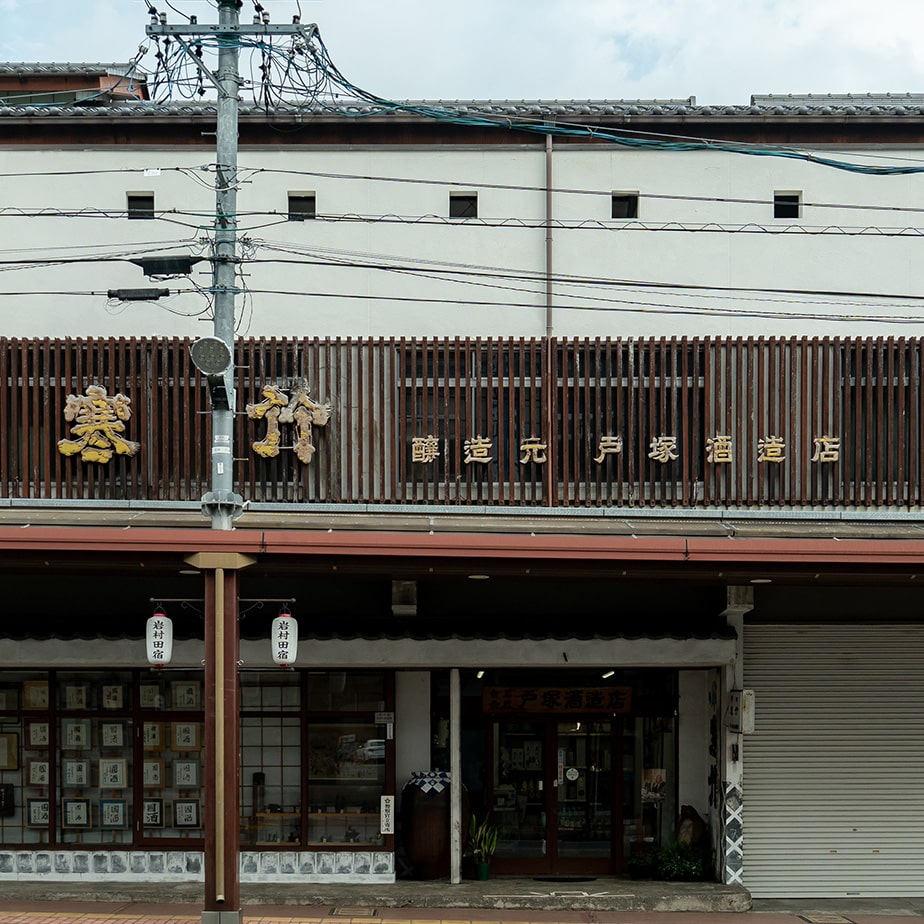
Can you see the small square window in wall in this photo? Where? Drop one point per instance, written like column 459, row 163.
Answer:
column 463, row 205
column 787, row 204
column 302, row 206
column 625, row 205
column 140, row 205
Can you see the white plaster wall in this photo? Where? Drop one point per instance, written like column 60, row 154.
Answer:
column 693, row 741
column 596, row 246
column 391, row 653
column 412, row 726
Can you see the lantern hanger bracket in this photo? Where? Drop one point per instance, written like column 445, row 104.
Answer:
column 186, row 603
column 189, row 603
column 254, row 600
column 257, row 604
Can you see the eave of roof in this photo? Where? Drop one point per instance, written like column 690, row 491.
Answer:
column 787, row 108
column 46, row 68
column 467, row 545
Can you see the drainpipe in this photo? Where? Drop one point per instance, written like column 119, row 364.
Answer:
column 455, row 777
column 549, row 329
column 549, row 382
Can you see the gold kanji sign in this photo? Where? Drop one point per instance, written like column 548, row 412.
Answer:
column 557, row 699
column 827, row 449
column 664, row 449
column 609, row 445
column 425, row 448
column 533, row 450
column 99, row 424
column 477, row 449
column 277, row 408
column 719, row 449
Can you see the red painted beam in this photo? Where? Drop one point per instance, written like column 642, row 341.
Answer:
column 562, row 547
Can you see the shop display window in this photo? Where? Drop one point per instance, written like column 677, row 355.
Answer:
column 117, row 758
column 317, row 778
column 70, row 774
column 168, row 785
column 346, row 780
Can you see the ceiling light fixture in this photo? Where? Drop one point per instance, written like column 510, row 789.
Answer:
column 608, row 674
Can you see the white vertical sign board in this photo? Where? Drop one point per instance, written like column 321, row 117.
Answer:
column 387, row 809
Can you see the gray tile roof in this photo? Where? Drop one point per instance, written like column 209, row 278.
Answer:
column 46, row 68
column 899, row 106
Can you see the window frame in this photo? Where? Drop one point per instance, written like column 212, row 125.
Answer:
column 786, row 201
column 463, row 205
column 630, row 198
column 303, row 197
column 135, row 209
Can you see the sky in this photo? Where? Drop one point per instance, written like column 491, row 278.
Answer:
column 718, row 51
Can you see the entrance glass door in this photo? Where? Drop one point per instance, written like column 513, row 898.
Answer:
column 519, row 789
column 584, row 785
column 554, row 796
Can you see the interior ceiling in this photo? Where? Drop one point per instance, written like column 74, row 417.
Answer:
column 78, row 589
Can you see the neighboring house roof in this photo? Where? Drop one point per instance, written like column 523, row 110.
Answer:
column 857, row 106
column 53, row 68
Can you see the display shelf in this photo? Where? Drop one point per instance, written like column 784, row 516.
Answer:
column 275, row 828
column 283, row 829
column 357, row 828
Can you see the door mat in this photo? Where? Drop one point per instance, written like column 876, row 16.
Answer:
column 564, row 878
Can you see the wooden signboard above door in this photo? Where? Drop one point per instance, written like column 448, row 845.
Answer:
column 553, row 700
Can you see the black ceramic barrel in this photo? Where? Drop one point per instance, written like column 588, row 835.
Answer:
column 425, row 822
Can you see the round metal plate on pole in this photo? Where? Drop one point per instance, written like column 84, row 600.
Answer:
column 210, row 355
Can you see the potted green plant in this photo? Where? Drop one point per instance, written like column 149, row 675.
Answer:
column 482, row 839
column 681, row 863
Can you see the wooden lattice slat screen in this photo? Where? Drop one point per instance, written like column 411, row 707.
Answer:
column 566, row 399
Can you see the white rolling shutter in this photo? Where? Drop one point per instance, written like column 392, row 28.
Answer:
column 833, row 782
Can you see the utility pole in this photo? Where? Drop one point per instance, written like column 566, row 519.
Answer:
column 214, row 357
column 222, row 503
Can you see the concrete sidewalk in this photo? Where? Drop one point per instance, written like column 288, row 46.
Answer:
column 581, row 894
column 498, row 901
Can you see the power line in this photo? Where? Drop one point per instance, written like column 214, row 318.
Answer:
column 487, row 273
column 485, row 276
column 621, row 306
column 172, row 216
column 248, row 173
column 540, row 279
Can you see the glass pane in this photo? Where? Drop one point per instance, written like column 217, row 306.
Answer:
column 648, row 792
column 346, row 778
column 342, row 691
column 585, row 789
column 519, row 796
column 270, row 691
column 271, row 791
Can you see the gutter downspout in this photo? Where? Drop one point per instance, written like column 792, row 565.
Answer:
column 548, row 384
column 549, row 328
